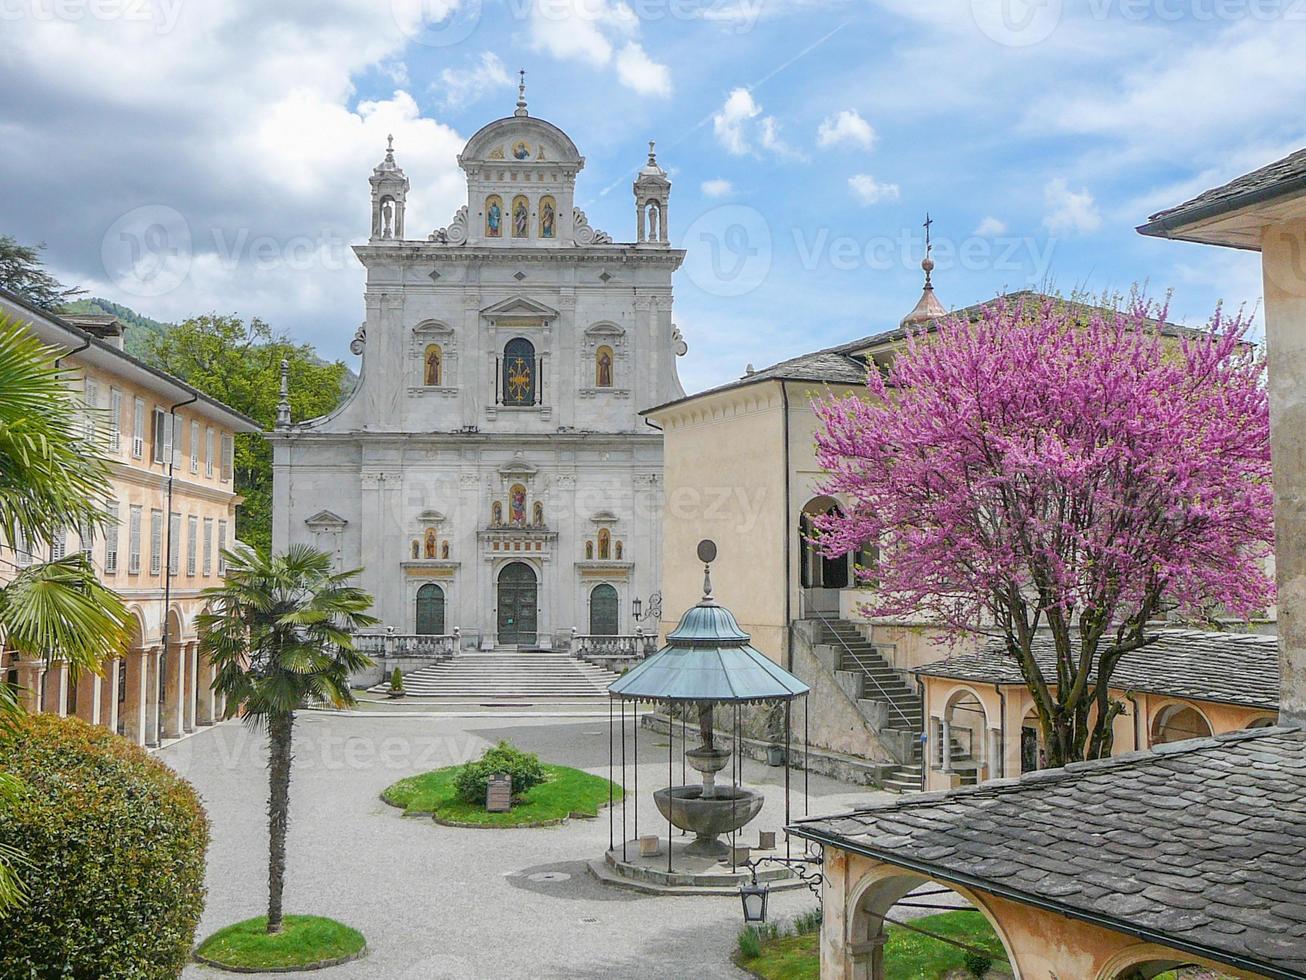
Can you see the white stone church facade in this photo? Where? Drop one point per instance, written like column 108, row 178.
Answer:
column 491, row 472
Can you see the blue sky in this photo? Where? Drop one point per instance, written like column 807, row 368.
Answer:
column 182, row 157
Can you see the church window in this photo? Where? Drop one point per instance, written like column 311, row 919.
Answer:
column 519, row 372
column 603, row 367
column 605, row 544
column 494, row 216
column 521, row 217
column 517, row 504
column 548, row 217
column 432, row 366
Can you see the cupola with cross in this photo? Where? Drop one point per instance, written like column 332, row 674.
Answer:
column 389, row 190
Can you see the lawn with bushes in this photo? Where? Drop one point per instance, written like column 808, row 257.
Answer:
column 304, row 941
column 542, row 793
column 791, row 952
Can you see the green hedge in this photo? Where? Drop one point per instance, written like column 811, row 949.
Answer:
column 115, row 841
column 524, row 767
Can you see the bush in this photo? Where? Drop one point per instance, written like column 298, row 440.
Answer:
column 115, row 843
column 523, row 767
column 396, row 680
column 750, row 944
column 977, row 964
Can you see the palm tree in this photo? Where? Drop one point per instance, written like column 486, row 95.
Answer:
column 279, row 631
column 52, row 478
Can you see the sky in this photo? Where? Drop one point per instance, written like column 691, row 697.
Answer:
column 189, row 156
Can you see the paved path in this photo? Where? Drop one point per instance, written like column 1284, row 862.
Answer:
column 436, row 902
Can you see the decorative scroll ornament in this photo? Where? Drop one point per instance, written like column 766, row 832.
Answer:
column 456, row 233
column 360, row 339
column 585, row 235
column 678, row 341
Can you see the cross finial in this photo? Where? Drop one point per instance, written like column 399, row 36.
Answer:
column 652, row 157
column 390, row 141
column 521, row 94
column 928, row 221
column 927, row 263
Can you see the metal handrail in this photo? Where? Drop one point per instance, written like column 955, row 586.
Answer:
column 865, row 672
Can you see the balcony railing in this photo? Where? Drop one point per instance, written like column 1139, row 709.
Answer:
column 627, row 646
column 431, row 645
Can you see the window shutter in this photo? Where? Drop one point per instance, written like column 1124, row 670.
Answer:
column 115, row 420
column 194, row 446
column 138, row 428
column 208, row 546
column 208, row 452
column 222, row 547
column 111, row 538
column 134, row 541
column 156, row 542
column 174, row 543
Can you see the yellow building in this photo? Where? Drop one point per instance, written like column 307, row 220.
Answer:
column 172, row 514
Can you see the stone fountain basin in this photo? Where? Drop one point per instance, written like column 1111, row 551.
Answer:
column 729, row 809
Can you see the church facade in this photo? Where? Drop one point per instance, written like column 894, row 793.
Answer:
column 491, row 472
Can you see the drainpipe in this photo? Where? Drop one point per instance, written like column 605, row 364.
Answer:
column 58, row 361
column 788, row 532
column 167, row 554
column 1002, row 731
column 1137, row 717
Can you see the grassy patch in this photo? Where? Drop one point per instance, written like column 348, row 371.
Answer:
column 306, row 940
column 907, row 954
column 566, row 791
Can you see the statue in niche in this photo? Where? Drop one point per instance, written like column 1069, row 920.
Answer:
column 517, row 504
column 547, row 218
column 416, row 550
column 605, row 545
column 537, row 514
column 444, row 550
column 494, row 218
column 430, row 542
column 496, row 514
column 603, row 368
column 618, row 551
column 387, row 217
column 589, row 550
column 520, row 218
column 431, row 374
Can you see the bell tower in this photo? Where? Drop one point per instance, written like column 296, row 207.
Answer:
column 652, row 192
column 389, row 189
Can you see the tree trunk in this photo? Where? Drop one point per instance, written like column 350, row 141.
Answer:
column 280, row 729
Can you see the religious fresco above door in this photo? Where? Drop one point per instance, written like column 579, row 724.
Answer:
column 521, row 150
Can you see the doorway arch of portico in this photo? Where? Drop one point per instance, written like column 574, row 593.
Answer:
column 517, row 604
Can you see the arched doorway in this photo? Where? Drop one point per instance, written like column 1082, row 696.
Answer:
column 820, row 577
column 963, row 740
column 430, row 609
column 1177, row 722
column 517, row 603
column 603, row 611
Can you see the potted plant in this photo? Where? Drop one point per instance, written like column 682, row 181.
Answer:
column 396, row 685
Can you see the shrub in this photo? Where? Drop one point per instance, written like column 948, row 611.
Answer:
column 115, row 842
column 523, row 767
column 750, row 944
column 806, row 923
column 396, row 680
column 978, row 964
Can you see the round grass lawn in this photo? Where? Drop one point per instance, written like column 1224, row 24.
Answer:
column 566, row 792
column 306, row 942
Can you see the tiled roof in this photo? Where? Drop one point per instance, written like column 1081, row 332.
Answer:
column 1269, row 181
column 1198, row 845
column 1233, row 668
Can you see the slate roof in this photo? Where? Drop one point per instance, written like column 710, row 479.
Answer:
column 1198, row 845
column 1275, row 179
column 1232, row 668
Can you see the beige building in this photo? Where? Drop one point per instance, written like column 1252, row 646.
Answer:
column 1190, row 852
column 172, row 513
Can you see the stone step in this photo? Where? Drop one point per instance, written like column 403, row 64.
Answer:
column 507, row 676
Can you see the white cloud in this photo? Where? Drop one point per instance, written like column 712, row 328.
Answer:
column 1069, row 212
column 589, row 30
column 640, row 72
column 740, row 127
column 990, row 226
column 462, row 86
column 871, row 191
column 717, row 187
column 846, row 127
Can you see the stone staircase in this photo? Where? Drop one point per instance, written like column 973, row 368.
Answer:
column 886, row 700
column 507, row 677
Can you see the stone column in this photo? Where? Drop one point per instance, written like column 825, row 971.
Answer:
column 31, row 677
column 947, row 745
column 56, row 689
column 994, row 760
column 191, row 656
column 109, row 695
column 206, row 699
column 1283, row 256
column 174, row 696
column 136, row 699
column 153, row 664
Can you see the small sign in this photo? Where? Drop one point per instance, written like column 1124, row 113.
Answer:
column 498, row 793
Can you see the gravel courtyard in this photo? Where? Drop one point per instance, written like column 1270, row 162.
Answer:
column 438, row 902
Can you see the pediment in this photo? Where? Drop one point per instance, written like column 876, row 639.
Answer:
column 517, row 466
column 325, row 519
column 604, row 517
column 520, row 306
column 430, row 517
column 604, row 330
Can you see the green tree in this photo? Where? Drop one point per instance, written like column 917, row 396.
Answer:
column 240, row 364
column 22, row 272
column 280, row 633
column 51, row 481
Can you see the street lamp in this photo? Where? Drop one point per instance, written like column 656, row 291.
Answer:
column 637, row 607
column 754, row 898
column 654, row 607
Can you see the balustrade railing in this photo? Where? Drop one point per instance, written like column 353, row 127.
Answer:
column 626, row 645
column 432, row 645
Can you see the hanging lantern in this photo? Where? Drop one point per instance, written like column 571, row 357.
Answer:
column 754, row 898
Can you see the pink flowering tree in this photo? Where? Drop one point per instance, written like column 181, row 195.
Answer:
column 1061, row 467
